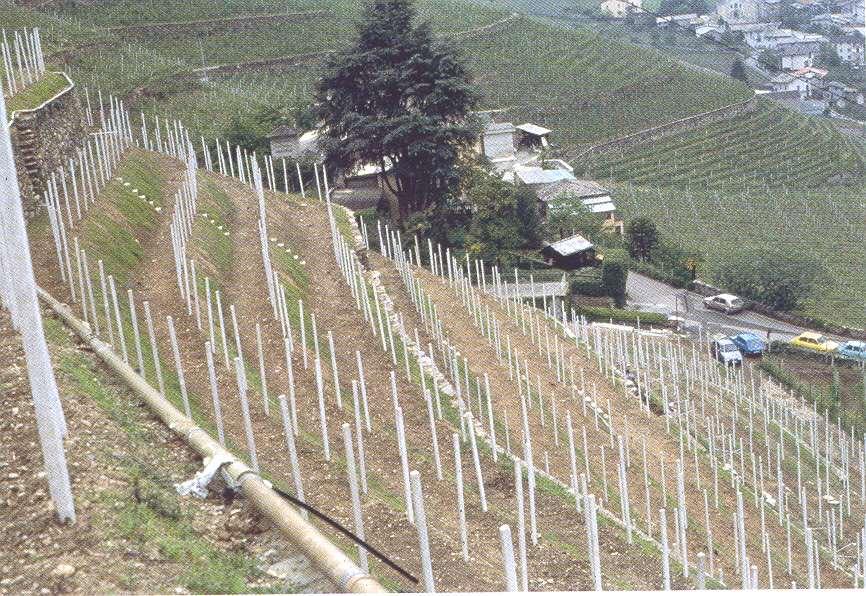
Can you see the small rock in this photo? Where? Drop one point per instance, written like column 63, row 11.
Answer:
column 63, row 570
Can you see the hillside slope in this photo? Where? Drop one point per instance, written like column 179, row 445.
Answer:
column 138, row 255
column 133, row 532
column 550, row 375
column 587, row 88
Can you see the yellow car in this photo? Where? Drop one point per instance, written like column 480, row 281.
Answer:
column 814, row 341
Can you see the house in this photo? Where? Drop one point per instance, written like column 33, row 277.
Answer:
column 841, row 95
column 850, row 48
column 761, row 36
column 292, row 143
column 854, row 9
column 682, row 20
column 785, row 83
column 532, row 136
column 620, row 9
column 358, row 188
column 497, row 142
column 735, row 12
column 712, row 32
column 570, row 253
column 363, row 186
column 537, row 176
column 591, row 195
column 771, row 9
column 813, row 78
column 797, row 55
column 507, row 146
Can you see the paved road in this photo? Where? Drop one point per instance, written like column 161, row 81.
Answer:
column 648, row 294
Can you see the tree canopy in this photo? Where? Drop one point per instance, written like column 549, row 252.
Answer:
column 642, row 237
column 738, row 70
column 400, row 99
column 780, row 278
column 568, row 215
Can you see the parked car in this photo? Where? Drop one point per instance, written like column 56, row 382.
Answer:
column 814, row 341
column 727, row 303
column 726, row 351
column 853, row 349
column 749, row 344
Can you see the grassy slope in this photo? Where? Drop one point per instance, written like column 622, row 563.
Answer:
column 826, row 222
column 142, row 510
column 37, row 93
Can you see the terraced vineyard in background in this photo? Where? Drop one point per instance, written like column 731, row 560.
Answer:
column 586, row 87
column 826, row 223
column 769, row 146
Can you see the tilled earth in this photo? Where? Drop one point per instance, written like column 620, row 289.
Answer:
column 133, row 533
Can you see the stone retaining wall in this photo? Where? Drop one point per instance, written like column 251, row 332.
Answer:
column 43, row 139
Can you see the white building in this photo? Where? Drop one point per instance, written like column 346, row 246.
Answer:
column 621, row 8
column 850, row 49
column 785, row 83
column 796, row 56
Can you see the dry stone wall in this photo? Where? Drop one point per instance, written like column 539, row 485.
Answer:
column 43, row 139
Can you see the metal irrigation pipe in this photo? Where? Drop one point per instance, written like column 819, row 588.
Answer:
column 324, row 555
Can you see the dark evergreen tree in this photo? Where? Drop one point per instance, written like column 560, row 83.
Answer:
column 642, row 238
column 738, row 70
column 528, row 215
column 400, row 99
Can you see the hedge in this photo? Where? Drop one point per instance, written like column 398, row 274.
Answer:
column 600, row 313
column 678, row 279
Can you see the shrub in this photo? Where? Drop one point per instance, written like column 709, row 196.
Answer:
column 776, row 277
column 619, row 315
column 586, row 287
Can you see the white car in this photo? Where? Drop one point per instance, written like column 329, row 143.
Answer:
column 727, row 303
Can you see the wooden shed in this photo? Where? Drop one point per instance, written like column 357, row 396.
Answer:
column 570, row 253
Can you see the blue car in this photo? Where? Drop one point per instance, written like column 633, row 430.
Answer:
column 855, row 350
column 749, row 344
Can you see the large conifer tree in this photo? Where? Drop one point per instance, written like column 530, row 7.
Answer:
column 398, row 97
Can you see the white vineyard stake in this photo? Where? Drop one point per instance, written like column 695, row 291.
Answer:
column 421, row 525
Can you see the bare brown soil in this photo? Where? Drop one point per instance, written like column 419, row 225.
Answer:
column 122, row 465
column 629, row 420
column 558, row 562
